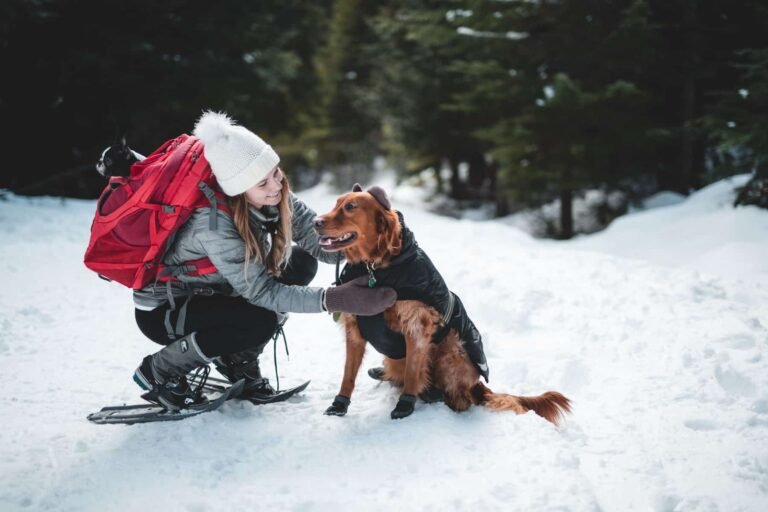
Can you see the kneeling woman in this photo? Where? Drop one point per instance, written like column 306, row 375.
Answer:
column 227, row 317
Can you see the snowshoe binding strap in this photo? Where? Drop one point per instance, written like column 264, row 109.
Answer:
column 198, row 378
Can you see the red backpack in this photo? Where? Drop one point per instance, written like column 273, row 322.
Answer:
column 137, row 217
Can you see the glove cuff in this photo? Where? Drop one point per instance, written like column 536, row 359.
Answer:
column 333, row 301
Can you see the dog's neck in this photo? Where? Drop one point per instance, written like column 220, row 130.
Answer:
column 379, row 255
column 373, row 260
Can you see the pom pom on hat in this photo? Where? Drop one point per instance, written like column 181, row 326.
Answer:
column 239, row 158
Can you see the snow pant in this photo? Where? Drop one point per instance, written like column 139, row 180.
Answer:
column 226, row 325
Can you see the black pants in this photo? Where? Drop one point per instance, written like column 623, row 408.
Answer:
column 226, row 325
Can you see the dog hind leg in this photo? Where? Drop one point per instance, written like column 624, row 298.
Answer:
column 394, row 371
column 417, row 323
column 455, row 374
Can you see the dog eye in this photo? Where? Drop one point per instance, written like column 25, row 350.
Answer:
column 350, row 206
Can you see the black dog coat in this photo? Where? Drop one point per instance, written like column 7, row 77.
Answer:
column 414, row 277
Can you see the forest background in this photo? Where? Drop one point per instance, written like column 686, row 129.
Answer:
column 503, row 104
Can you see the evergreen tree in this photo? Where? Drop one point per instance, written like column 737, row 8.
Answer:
column 416, row 52
column 742, row 128
column 567, row 113
column 344, row 133
column 146, row 70
column 702, row 39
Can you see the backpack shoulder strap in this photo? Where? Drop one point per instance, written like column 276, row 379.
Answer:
column 217, row 202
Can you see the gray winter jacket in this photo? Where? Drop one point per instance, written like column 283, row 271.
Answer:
column 226, row 250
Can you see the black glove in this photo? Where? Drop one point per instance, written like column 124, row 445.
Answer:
column 338, row 407
column 357, row 298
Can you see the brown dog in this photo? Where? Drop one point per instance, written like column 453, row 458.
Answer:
column 426, row 337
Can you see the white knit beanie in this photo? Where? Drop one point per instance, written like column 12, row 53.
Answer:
column 239, row 158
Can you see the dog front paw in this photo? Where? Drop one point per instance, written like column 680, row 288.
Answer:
column 404, row 407
column 339, row 406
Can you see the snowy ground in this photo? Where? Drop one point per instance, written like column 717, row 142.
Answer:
column 657, row 329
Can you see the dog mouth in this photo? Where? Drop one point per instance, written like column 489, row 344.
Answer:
column 334, row 243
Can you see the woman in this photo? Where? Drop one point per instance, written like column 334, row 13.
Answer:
column 227, row 317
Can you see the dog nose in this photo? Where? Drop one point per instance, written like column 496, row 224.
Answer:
column 319, row 222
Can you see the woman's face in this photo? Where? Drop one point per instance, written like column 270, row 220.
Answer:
column 268, row 191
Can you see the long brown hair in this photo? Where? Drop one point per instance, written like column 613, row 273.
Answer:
column 280, row 250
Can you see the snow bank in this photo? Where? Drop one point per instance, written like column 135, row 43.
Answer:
column 703, row 232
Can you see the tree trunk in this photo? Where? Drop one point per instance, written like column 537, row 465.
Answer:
column 502, row 206
column 478, row 172
column 458, row 188
column 498, row 196
column 566, row 214
column 685, row 181
column 438, row 168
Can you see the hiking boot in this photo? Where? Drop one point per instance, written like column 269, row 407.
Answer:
column 245, row 365
column 257, row 388
column 174, row 393
column 163, row 375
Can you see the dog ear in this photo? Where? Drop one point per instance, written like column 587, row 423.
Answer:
column 381, row 196
column 124, row 150
column 388, row 228
column 357, row 188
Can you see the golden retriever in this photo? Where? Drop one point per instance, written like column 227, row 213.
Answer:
column 371, row 235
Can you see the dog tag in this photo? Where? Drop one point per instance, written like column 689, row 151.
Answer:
column 371, row 278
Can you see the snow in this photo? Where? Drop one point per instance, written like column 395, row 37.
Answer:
column 470, row 32
column 656, row 328
column 703, row 232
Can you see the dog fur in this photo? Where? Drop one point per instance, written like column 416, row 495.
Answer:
column 116, row 160
column 367, row 230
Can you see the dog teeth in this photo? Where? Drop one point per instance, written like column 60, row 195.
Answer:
column 330, row 240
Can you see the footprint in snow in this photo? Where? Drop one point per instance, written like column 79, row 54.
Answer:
column 735, row 382
column 700, row 424
column 742, row 341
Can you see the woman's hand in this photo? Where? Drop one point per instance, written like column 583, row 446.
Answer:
column 357, row 298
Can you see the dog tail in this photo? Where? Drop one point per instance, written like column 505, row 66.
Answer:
column 552, row 406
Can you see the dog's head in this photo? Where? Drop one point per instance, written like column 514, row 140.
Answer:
column 116, row 160
column 363, row 225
